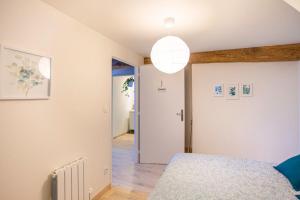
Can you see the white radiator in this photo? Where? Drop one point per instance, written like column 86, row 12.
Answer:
column 69, row 181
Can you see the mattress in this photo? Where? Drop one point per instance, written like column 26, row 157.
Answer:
column 207, row 177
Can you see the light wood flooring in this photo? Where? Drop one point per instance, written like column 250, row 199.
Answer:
column 117, row 193
column 130, row 180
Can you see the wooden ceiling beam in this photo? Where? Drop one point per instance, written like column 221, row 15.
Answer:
column 288, row 52
column 121, row 66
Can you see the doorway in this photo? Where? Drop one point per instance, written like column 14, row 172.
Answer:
column 124, row 119
column 127, row 171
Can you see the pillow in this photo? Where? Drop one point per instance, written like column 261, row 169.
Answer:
column 291, row 170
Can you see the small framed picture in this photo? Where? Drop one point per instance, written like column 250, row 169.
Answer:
column 246, row 89
column 24, row 75
column 218, row 90
column 232, row 91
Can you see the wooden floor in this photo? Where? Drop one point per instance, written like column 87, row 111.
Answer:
column 130, row 180
column 117, row 193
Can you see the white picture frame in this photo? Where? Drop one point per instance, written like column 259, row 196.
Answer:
column 246, row 89
column 218, row 90
column 24, row 75
column 232, row 91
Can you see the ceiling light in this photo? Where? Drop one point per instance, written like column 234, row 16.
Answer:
column 44, row 67
column 170, row 54
column 169, row 22
column 294, row 3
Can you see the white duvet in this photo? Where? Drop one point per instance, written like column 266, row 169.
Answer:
column 206, row 177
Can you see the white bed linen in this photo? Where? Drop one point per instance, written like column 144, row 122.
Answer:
column 207, row 177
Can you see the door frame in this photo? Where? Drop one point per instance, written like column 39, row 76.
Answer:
column 136, row 107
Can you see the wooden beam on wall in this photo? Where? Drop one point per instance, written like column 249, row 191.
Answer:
column 289, row 52
column 147, row 60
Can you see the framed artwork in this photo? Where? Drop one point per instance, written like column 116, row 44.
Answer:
column 24, row 75
column 218, row 90
column 232, row 91
column 246, row 89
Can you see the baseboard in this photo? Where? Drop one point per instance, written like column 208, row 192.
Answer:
column 102, row 192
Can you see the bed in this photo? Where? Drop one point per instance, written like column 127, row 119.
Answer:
column 207, row 177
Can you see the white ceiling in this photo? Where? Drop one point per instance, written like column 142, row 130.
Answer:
column 204, row 24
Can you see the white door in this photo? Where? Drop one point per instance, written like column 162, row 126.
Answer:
column 161, row 115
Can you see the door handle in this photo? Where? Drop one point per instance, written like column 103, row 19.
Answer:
column 180, row 114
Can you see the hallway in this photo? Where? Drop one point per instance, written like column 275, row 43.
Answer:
column 126, row 173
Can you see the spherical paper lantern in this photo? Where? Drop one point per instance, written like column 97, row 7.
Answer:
column 170, row 54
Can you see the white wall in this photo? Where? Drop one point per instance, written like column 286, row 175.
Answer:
column 38, row 136
column 263, row 127
column 121, row 106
